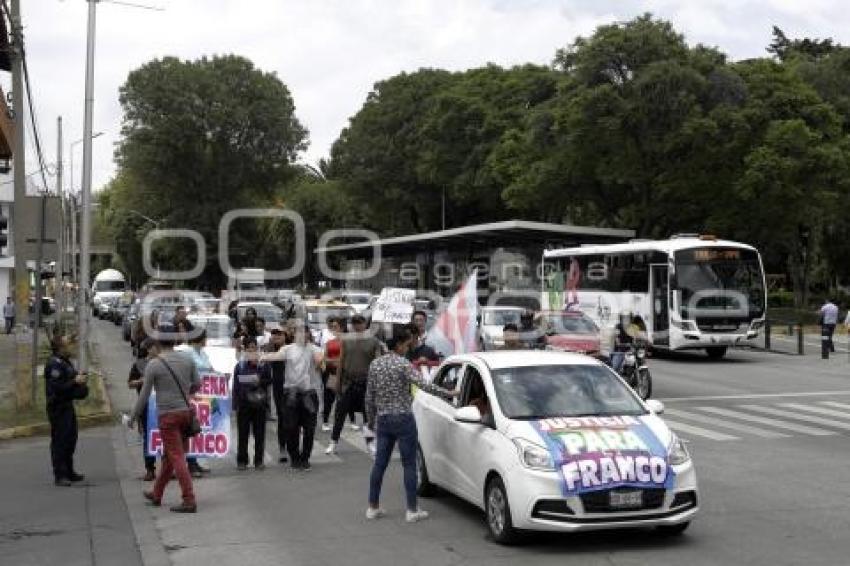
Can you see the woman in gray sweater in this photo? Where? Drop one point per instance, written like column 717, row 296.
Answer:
column 173, row 376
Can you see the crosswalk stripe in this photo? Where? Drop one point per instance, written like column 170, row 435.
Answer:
column 724, row 424
column 766, row 421
column 819, row 410
column 797, row 416
column 834, row 404
column 699, row 431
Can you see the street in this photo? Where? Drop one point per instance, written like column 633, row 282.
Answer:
column 760, row 426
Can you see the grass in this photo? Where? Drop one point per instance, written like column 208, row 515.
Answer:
column 10, row 416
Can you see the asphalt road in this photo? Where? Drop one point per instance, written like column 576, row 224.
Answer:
column 768, row 432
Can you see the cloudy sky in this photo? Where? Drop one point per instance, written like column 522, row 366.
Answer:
column 330, row 52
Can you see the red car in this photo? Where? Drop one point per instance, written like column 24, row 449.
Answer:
column 569, row 331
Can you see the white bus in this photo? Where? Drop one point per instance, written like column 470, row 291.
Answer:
column 688, row 292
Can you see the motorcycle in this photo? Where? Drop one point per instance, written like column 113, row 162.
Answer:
column 635, row 371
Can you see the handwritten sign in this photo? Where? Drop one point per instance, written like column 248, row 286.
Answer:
column 394, row 305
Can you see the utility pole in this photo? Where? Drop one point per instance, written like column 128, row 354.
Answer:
column 60, row 256
column 85, row 235
column 23, row 393
column 36, row 312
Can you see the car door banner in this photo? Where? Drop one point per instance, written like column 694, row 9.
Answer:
column 595, row 453
column 212, row 407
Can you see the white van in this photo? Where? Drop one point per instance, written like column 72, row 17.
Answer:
column 108, row 285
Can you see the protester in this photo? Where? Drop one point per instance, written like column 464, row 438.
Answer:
column 278, row 370
column 250, row 397
column 301, row 394
column 388, row 409
column 420, row 351
column 510, row 336
column 330, row 384
column 174, row 377
column 181, row 320
column 828, row 320
column 63, row 385
column 147, row 350
column 263, row 335
column 357, row 351
column 9, row 315
column 197, row 343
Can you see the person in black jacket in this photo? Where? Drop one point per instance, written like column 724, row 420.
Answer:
column 278, row 370
column 148, row 350
column 251, row 380
column 63, row 385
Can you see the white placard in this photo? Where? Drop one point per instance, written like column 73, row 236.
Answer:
column 394, row 305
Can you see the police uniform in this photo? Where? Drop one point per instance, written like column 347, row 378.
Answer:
column 62, row 390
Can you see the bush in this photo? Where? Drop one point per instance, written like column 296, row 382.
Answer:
column 780, row 299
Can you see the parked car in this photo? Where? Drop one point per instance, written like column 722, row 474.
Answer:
column 569, row 331
column 219, row 328
column 492, row 322
column 552, row 441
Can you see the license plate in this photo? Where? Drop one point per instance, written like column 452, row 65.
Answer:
column 625, row 499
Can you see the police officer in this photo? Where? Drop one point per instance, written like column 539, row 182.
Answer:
column 64, row 385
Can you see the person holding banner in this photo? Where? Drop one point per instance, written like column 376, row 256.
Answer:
column 197, row 343
column 174, row 377
column 147, row 351
column 251, row 380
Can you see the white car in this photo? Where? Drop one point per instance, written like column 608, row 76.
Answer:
column 219, row 328
column 359, row 301
column 552, row 441
column 493, row 321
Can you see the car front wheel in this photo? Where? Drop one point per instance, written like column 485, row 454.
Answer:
column 424, row 487
column 499, row 519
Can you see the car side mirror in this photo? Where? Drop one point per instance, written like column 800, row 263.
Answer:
column 468, row 414
column 655, row 406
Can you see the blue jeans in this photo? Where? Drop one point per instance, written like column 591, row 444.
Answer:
column 391, row 428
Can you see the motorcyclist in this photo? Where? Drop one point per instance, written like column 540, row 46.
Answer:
column 623, row 341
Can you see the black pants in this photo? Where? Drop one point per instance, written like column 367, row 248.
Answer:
column 828, row 330
column 280, row 409
column 251, row 420
column 352, row 399
column 150, row 461
column 302, row 411
column 63, row 439
column 329, row 396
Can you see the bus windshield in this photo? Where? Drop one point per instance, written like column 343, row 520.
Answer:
column 720, row 279
column 108, row 286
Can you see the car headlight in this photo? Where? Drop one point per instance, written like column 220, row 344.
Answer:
column 533, row 455
column 678, row 452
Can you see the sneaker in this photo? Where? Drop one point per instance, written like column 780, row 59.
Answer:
column 62, row 482
column 184, row 508
column 150, row 475
column 326, row 427
column 197, row 474
column 331, row 449
column 305, row 466
column 282, row 460
column 151, row 499
column 416, row 516
column 354, row 426
column 75, row 477
column 373, row 514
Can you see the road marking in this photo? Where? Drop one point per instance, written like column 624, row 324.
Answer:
column 766, row 421
column 819, row 410
column 757, row 396
column 725, row 424
column 798, row 416
column 699, row 431
column 834, row 404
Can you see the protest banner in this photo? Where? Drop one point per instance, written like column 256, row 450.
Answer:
column 394, row 306
column 212, row 406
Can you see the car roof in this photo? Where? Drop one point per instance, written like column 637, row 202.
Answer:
column 330, row 303
column 247, row 304
column 524, row 358
column 211, row 316
column 502, row 308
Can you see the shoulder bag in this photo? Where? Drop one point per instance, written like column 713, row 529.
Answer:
column 194, row 426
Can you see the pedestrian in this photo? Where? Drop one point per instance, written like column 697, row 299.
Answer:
column 147, row 350
column 330, row 341
column 63, row 386
column 9, row 315
column 420, row 351
column 250, row 397
column 388, row 409
column 197, row 343
column 300, row 394
column 828, row 320
column 357, row 350
column 278, row 369
column 263, row 335
column 174, row 377
column 181, row 320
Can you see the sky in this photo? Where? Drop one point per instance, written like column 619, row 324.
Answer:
column 330, row 52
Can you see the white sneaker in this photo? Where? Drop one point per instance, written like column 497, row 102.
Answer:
column 373, row 514
column 354, row 426
column 331, row 449
column 373, row 450
column 326, row 427
column 416, row 516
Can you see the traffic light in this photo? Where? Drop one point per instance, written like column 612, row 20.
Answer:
column 4, row 235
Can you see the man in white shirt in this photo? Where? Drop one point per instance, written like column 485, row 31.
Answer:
column 828, row 320
column 9, row 315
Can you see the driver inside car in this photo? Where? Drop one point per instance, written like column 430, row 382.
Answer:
column 478, row 397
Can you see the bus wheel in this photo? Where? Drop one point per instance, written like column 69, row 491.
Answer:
column 716, row 352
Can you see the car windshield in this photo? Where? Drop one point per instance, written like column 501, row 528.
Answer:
column 357, row 299
column 269, row 313
column 568, row 324
column 539, row 392
column 320, row 315
column 217, row 329
column 501, row 318
column 720, row 278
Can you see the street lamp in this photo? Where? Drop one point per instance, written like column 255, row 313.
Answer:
column 71, row 155
column 155, row 223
